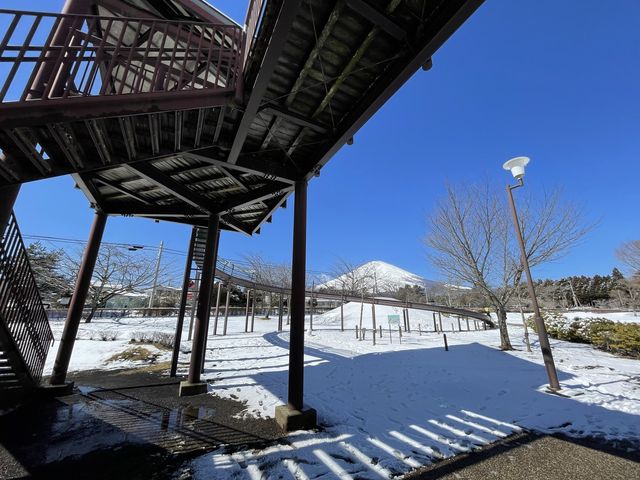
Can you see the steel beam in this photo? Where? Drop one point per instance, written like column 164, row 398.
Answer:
column 183, row 304
column 294, row 117
column 378, row 18
column 84, row 183
column 254, row 196
column 74, row 315
column 73, row 109
column 8, row 197
column 279, row 36
column 118, row 186
column 177, row 189
column 254, row 166
column 204, row 300
column 298, row 279
column 440, row 27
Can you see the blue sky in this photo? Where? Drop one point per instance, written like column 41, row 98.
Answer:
column 556, row 81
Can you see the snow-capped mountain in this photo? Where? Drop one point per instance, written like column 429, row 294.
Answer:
column 376, row 277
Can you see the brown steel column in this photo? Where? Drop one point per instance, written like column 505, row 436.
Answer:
column 8, row 197
column 206, row 337
column 183, row 304
column 204, row 300
column 83, row 282
column 298, row 280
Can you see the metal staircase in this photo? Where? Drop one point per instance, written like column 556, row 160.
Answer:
column 25, row 335
column 103, row 90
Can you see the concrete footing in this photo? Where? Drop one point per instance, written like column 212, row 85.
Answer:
column 188, row 389
column 291, row 420
column 60, row 390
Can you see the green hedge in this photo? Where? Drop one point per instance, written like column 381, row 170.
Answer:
column 614, row 337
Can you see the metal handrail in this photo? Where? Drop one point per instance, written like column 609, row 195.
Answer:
column 71, row 55
column 22, row 313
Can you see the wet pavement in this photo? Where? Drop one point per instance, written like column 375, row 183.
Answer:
column 530, row 455
column 122, row 425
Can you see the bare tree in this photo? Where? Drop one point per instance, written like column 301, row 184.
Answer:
column 629, row 254
column 261, row 271
column 352, row 279
column 118, row 272
column 471, row 240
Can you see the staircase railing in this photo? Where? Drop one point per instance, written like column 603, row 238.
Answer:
column 70, row 55
column 23, row 319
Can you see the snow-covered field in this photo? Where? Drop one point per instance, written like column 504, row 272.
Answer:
column 388, row 408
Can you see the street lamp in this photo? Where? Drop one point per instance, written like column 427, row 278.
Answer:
column 516, row 165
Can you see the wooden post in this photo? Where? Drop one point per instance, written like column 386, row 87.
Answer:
column 342, row 315
column 363, row 331
column 390, row 337
column 226, row 310
column 408, row 321
column 253, row 309
column 380, row 330
column 373, row 320
column 526, row 330
column 459, row 327
column 399, row 334
column 467, row 319
column 357, row 333
column 280, row 312
column 361, row 309
column 246, row 313
column 215, row 318
column 420, row 329
column 453, row 328
column 194, row 302
column 440, row 321
column 184, row 294
column 288, row 309
column 435, row 326
column 446, row 345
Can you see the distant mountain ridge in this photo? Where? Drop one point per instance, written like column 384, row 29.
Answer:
column 377, row 277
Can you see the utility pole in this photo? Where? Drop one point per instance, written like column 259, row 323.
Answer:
column 155, row 275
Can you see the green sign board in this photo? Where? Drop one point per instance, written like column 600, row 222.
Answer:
column 393, row 319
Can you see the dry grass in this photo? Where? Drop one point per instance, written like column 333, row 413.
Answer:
column 135, row 354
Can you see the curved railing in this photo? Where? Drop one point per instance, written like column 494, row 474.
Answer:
column 235, row 275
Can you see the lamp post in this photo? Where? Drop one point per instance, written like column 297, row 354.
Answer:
column 516, row 165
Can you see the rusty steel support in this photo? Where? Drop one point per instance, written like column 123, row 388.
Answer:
column 78, row 299
column 206, row 337
column 204, row 300
column 183, row 304
column 298, row 277
column 8, row 197
column 44, row 79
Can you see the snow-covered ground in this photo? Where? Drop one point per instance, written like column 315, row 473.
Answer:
column 388, row 408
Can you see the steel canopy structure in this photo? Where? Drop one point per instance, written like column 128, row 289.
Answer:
column 169, row 110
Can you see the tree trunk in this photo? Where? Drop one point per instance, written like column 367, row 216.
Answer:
column 505, row 342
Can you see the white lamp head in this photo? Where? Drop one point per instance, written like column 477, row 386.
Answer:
column 516, row 165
